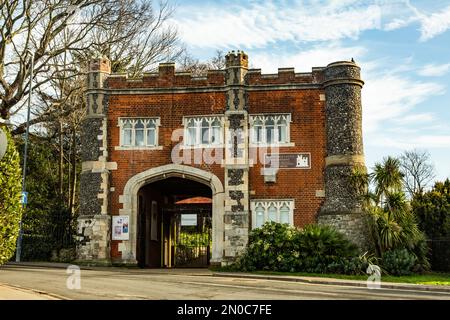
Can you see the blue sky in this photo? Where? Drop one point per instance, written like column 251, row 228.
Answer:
column 403, row 48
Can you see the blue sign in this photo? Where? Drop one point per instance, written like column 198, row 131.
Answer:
column 24, row 199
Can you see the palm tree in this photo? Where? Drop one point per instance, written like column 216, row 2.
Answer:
column 392, row 222
column 387, row 178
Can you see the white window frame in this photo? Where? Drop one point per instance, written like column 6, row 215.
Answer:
column 264, row 117
column 198, row 131
column 134, row 120
column 266, row 203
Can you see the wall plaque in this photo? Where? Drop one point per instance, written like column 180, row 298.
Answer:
column 287, row 161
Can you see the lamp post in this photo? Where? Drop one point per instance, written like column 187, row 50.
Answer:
column 24, row 170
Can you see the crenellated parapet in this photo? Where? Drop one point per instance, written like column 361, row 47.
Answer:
column 284, row 76
column 167, row 77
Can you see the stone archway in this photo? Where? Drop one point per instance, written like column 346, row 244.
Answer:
column 130, row 205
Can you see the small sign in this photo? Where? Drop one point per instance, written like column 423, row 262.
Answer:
column 24, row 198
column 120, row 228
column 288, row 161
column 188, row 219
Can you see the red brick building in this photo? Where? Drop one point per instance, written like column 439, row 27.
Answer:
column 177, row 169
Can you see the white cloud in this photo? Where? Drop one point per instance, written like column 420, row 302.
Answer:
column 389, row 97
column 418, row 118
column 431, row 24
column 434, row 24
column 434, row 70
column 412, row 142
column 257, row 25
column 303, row 61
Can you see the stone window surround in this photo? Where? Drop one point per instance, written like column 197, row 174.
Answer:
column 157, row 121
column 263, row 116
column 266, row 203
column 198, row 120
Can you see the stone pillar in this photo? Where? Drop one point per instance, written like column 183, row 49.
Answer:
column 94, row 222
column 342, row 208
column 236, row 217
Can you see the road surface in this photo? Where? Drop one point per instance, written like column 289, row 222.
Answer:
column 120, row 283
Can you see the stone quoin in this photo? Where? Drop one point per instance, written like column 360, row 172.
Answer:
column 174, row 155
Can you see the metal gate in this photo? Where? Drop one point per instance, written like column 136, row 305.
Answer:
column 192, row 240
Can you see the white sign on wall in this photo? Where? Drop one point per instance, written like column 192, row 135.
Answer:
column 188, row 219
column 120, row 228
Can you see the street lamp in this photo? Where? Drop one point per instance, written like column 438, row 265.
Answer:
column 24, row 170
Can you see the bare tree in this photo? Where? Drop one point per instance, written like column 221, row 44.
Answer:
column 64, row 34
column 417, row 169
column 188, row 63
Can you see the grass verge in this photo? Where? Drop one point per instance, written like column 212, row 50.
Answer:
column 432, row 278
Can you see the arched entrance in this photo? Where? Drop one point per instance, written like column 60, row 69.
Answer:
column 174, row 226
column 179, row 175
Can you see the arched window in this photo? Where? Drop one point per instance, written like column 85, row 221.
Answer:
column 191, row 132
column 215, row 132
column 284, row 214
column 204, row 132
column 259, row 216
column 270, row 130
column 139, row 133
column 127, row 131
column 280, row 211
column 272, row 213
column 151, row 133
column 282, row 129
column 258, row 131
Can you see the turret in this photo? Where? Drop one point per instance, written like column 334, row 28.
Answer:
column 342, row 208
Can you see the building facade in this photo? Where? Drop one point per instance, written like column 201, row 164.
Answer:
column 178, row 169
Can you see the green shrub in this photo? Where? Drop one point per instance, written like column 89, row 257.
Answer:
column 10, row 207
column 270, row 247
column 399, row 262
column 432, row 210
column 354, row 265
column 315, row 249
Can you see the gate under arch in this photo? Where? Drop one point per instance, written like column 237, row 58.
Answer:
column 130, row 202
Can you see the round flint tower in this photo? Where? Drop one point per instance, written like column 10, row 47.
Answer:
column 342, row 208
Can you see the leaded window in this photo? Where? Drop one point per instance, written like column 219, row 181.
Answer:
column 270, row 128
column 278, row 210
column 138, row 132
column 203, row 130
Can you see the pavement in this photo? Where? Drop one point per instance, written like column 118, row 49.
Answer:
column 333, row 281
column 16, row 293
column 50, row 281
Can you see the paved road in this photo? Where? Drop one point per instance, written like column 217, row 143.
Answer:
column 119, row 283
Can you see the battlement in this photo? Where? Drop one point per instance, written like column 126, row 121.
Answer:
column 236, row 59
column 100, row 65
column 167, row 77
column 284, row 76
